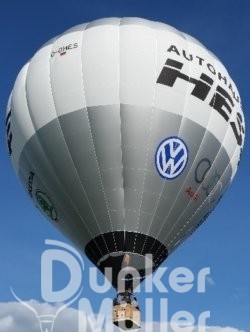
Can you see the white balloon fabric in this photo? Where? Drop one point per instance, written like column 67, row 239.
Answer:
column 125, row 134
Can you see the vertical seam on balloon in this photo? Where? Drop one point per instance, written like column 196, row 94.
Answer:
column 148, row 145
column 98, row 166
column 200, row 149
column 153, row 105
column 42, row 146
column 120, row 106
column 179, row 130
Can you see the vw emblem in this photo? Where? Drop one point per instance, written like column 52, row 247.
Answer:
column 171, row 157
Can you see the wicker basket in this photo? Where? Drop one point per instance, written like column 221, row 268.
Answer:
column 126, row 316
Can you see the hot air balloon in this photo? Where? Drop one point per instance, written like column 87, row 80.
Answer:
column 125, row 133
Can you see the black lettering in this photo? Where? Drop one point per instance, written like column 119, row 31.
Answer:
column 188, row 57
column 9, row 143
column 237, row 98
column 8, row 128
column 75, row 45
column 239, row 129
column 200, row 60
column 174, row 63
column 202, row 86
column 222, row 78
column 169, row 75
column 211, row 68
column 9, row 133
column 220, row 102
column 8, row 118
column 173, row 48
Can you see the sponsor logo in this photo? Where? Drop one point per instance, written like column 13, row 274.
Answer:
column 171, row 157
column 222, row 101
column 62, row 50
column 9, row 132
column 46, row 205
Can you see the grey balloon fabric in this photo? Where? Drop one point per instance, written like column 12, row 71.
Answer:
column 125, row 134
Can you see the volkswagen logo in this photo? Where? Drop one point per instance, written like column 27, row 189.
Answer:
column 171, row 157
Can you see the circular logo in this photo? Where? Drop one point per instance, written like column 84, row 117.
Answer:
column 171, row 157
column 46, row 205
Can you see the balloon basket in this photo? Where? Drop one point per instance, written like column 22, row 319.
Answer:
column 126, row 314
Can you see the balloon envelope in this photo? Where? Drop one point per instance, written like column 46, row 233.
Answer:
column 125, row 134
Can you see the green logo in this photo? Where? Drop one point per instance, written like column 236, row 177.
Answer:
column 46, row 205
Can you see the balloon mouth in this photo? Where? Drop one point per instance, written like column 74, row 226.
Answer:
column 128, row 251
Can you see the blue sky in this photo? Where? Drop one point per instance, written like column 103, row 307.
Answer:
column 222, row 243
